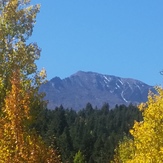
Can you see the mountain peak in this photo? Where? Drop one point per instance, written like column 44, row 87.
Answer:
column 83, row 87
column 80, row 73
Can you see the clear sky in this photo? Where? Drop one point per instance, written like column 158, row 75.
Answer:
column 115, row 37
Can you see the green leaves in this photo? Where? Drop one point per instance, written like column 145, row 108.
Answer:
column 79, row 158
column 19, row 83
column 17, row 19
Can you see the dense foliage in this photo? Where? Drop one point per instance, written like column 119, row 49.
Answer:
column 20, row 101
column 92, row 131
column 147, row 145
column 31, row 133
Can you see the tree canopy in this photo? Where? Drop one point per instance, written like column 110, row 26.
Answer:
column 147, row 143
column 95, row 132
column 17, row 19
column 20, row 101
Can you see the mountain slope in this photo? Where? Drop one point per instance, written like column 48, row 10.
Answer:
column 83, row 87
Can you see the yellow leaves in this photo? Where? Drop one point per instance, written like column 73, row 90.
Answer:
column 124, row 151
column 147, row 135
column 17, row 144
column 42, row 73
column 19, row 83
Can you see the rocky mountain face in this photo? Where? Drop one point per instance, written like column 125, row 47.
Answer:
column 83, row 87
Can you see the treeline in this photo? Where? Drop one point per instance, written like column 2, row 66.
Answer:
column 95, row 132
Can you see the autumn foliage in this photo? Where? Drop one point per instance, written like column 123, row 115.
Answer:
column 147, row 143
column 18, row 143
column 19, row 83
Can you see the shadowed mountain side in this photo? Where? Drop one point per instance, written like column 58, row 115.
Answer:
column 83, row 87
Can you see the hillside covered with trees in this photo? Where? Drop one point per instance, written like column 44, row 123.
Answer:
column 95, row 132
column 30, row 133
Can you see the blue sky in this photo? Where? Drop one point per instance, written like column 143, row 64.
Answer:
column 115, row 37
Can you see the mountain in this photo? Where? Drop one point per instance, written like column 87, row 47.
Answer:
column 83, row 87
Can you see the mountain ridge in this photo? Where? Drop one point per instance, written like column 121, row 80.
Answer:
column 83, row 87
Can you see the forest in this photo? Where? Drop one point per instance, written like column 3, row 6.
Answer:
column 95, row 132
column 30, row 133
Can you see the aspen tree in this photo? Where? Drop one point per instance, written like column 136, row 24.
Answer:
column 147, row 143
column 17, row 19
column 19, row 84
column 17, row 142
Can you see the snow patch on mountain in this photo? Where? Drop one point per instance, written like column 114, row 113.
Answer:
column 118, row 85
column 106, row 80
column 123, row 97
column 120, row 81
column 83, row 87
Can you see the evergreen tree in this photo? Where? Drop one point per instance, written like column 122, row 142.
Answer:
column 95, row 132
column 79, row 158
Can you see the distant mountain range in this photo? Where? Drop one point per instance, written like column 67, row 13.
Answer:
column 83, row 87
